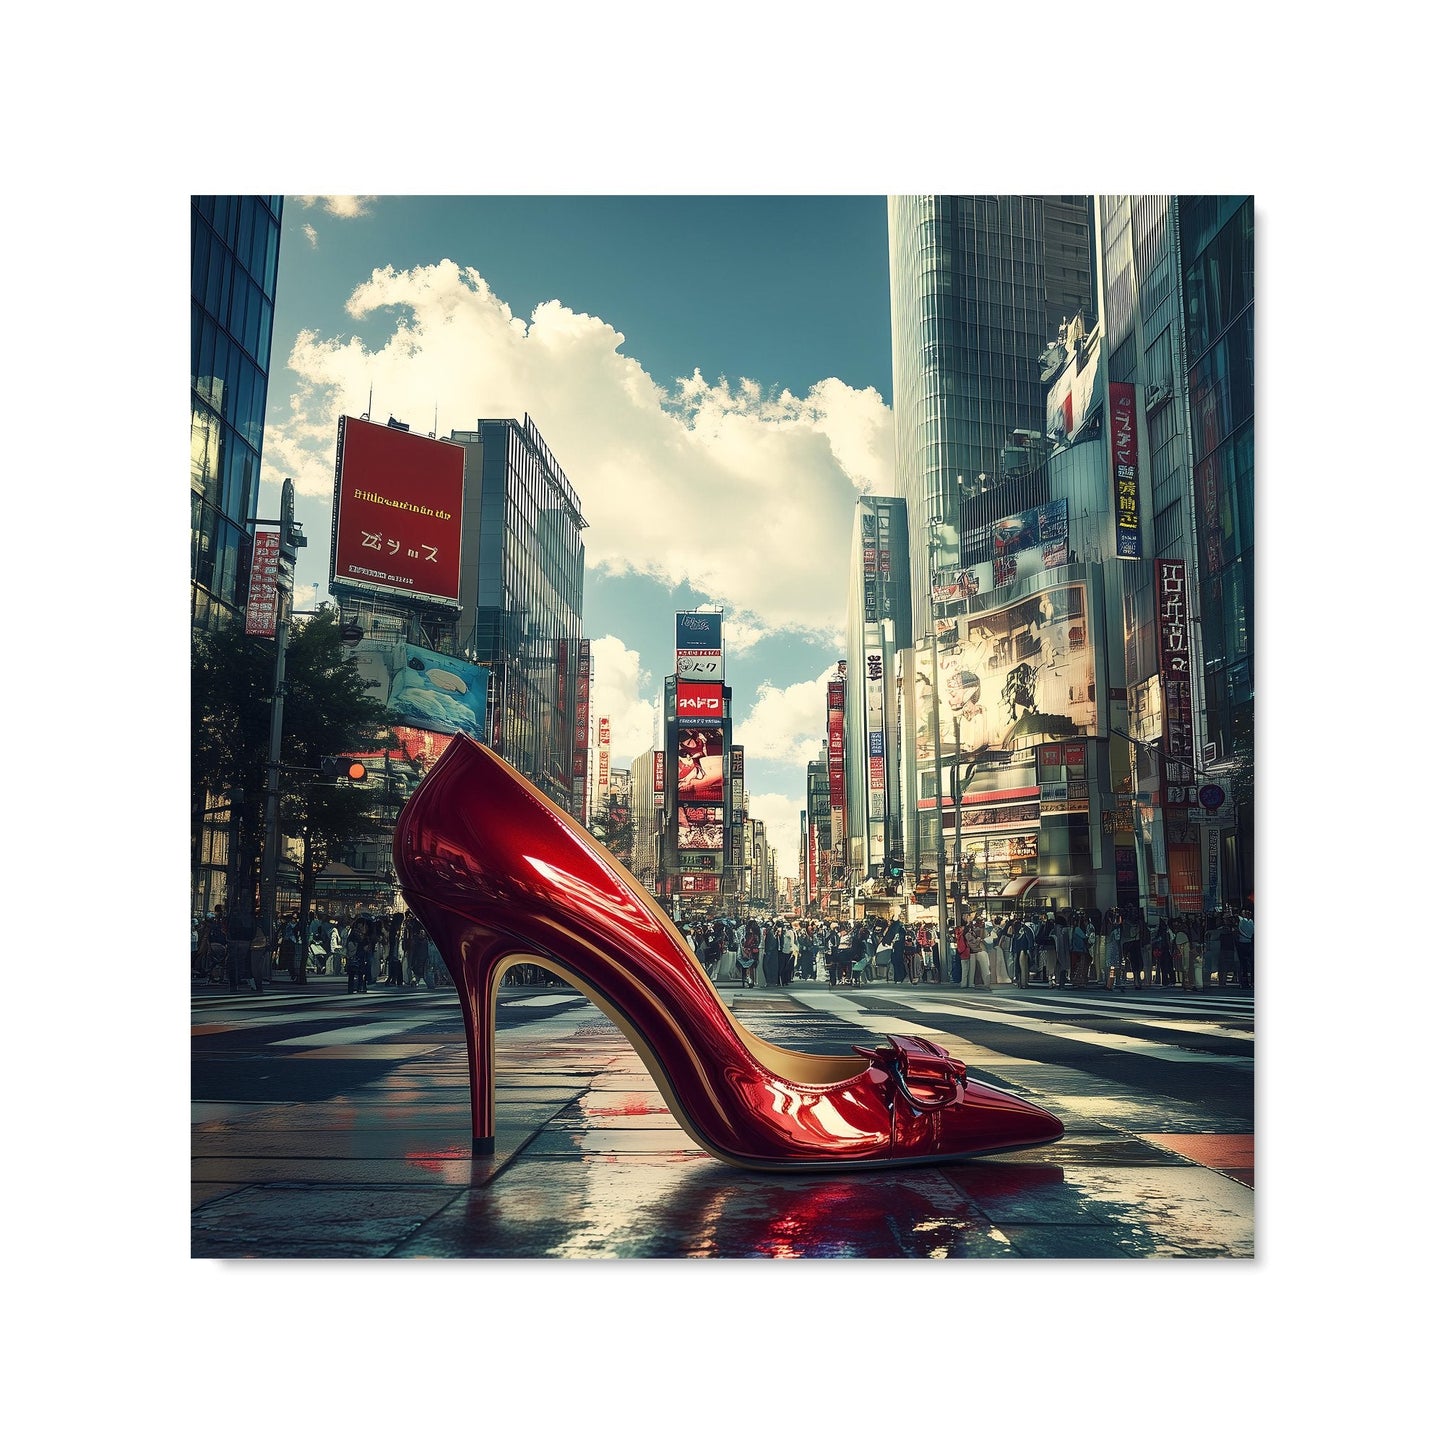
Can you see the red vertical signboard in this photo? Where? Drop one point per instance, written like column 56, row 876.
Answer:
column 837, row 793
column 264, row 594
column 604, row 757
column 581, row 728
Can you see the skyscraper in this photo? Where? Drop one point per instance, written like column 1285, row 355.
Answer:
column 1178, row 302
column 235, row 246
column 980, row 285
column 521, row 599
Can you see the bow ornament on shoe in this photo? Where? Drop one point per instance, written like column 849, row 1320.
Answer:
column 926, row 1075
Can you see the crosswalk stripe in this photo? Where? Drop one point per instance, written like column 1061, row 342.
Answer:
column 851, row 1010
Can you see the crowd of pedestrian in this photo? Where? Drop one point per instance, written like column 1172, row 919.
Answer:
column 1062, row 948
column 230, row 948
column 1112, row 950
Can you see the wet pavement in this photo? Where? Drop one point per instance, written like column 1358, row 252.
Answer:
column 335, row 1126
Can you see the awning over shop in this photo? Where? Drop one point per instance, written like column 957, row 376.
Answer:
column 1018, row 887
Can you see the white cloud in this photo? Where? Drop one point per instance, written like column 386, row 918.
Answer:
column 346, row 208
column 309, row 231
column 747, row 496
column 787, row 724
column 623, row 693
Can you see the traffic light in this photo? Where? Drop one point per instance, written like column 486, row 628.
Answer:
column 344, row 770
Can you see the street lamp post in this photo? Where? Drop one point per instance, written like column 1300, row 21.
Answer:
column 934, row 523
column 291, row 540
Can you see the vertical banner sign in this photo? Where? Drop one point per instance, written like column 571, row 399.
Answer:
column 699, row 647
column 869, row 526
column 835, row 745
column 659, row 777
column 1124, row 449
column 604, row 756
column 1181, row 839
column 735, row 819
column 264, row 594
column 1126, row 876
column 582, row 727
column 1173, row 613
column 1211, row 870
column 873, row 682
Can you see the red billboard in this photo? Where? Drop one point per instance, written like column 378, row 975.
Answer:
column 398, row 517
column 581, row 728
column 699, row 701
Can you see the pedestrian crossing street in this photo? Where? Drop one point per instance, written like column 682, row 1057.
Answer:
column 1048, row 1018
column 1095, row 1019
column 1175, row 1071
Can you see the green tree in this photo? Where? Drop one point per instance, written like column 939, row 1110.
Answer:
column 327, row 711
column 615, row 833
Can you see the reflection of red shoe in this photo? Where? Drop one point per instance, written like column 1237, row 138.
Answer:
column 498, row 875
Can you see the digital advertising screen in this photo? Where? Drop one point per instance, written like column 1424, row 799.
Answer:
column 700, row 765
column 425, row 689
column 1017, row 675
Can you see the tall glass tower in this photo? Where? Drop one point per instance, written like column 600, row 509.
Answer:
column 980, row 285
column 521, row 584
column 235, row 246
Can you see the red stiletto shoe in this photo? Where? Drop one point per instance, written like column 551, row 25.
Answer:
column 498, row 875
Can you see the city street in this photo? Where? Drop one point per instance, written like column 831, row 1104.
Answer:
column 328, row 1125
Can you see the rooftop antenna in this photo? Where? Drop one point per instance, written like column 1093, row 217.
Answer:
column 366, row 415
column 433, row 432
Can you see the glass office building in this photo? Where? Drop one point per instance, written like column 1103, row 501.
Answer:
column 980, row 286
column 235, row 246
column 521, row 599
column 1217, row 243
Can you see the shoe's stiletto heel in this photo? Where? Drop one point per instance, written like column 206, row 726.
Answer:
column 498, row 875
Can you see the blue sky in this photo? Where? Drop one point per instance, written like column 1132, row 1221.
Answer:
column 713, row 373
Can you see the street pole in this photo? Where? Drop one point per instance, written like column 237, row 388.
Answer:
column 958, row 842
column 271, row 842
column 942, row 859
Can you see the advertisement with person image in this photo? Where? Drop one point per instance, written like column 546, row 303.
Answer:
column 1020, row 674
column 700, row 765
